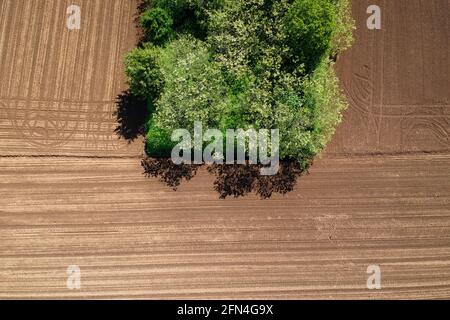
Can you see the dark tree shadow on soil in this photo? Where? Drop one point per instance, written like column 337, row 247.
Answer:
column 231, row 180
column 131, row 110
column 168, row 172
column 131, row 116
column 240, row 180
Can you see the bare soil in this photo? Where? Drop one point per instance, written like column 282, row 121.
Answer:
column 72, row 193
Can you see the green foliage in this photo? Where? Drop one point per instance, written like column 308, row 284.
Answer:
column 194, row 87
column 157, row 25
column 309, row 26
column 343, row 32
column 307, row 122
column 243, row 64
column 185, row 16
column 144, row 76
column 158, row 142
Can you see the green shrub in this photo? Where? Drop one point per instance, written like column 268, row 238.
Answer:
column 158, row 142
column 189, row 16
column 343, row 31
column 309, row 26
column 307, row 122
column 144, row 76
column 157, row 25
column 194, row 87
column 243, row 64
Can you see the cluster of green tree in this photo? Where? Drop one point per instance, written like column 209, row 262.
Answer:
column 242, row 64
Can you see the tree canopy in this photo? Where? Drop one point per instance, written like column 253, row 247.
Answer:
column 242, row 64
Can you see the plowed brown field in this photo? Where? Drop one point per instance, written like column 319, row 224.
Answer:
column 71, row 193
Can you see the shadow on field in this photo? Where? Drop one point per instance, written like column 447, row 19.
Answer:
column 240, row 180
column 231, row 180
column 168, row 172
column 131, row 116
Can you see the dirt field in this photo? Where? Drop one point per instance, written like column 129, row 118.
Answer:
column 398, row 80
column 58, row 87
column 135, row 238
column 71, row 193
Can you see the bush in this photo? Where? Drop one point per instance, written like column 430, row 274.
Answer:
column 144, row 76
column 309, row 121
column 194, row 87
column 158, row 143
column 186, row 16
column 343, row 31
column 243, row 64
column 309, row 26
column 157, row 25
